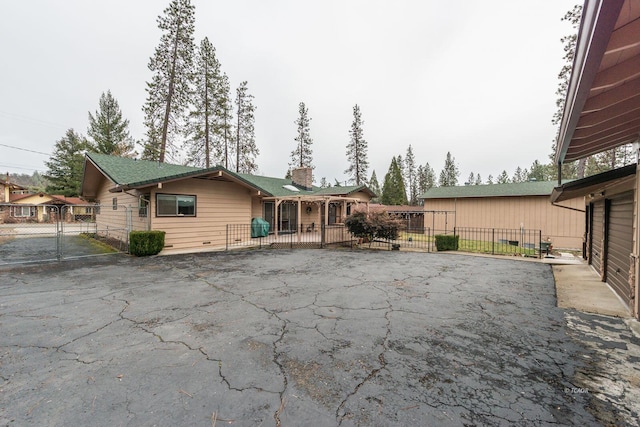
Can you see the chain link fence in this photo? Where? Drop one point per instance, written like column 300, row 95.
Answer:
column 37, row 233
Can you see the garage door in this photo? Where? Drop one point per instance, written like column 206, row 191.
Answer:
column 620, row 245
column 597, row 235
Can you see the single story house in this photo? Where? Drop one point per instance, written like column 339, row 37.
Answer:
column 515, row 206
column 23, row 206
column 194, row 205
column 601, row 113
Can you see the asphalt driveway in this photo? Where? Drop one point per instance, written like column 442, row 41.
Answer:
column 292, row 338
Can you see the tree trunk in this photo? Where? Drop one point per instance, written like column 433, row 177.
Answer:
column 167, row 112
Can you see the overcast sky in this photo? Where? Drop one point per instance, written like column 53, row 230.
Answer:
column 474, row 78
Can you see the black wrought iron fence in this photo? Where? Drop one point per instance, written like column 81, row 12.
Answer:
column 307, row 235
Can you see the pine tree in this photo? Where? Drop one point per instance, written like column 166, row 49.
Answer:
column 537, row 172
column 202, row 127
column 225, row 147
column 65, row 167
column 471, row 179
column 168, row 93
column 324, row 183
column 393, row 191
column 503, row 178
column 374, row 186
column 357, row 150
column 246, row 150
column 518, row 175
column 410, row 176
column 426, row 178
column 302, row 155
column 449, row 174
column 108, row 131
column 478, row 180
column 490, row 179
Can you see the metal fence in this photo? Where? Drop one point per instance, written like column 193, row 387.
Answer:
column 303, row 236
column 35, row 233
column 495, row 241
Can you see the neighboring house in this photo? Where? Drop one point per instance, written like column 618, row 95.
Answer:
column 601, row 113
column 506, row 206
column 42, row 207
column 195, row 205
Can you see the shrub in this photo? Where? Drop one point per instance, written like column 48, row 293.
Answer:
column 447, row 242
column 144, row 243
column 373, row 225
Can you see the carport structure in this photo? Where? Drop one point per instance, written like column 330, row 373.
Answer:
column 601, row 112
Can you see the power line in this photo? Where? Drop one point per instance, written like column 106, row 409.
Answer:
column 21, row 167
column 32, row 120
column 25, row 149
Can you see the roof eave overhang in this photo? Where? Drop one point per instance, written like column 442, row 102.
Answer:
column 596, row 27
column 590, row 184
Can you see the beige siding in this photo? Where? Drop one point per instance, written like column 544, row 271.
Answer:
column 564, row 227
column 217, row 204
column 256, row 207
column 108, row 218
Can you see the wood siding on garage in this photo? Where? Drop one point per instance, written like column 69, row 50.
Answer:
column 620, row 245
column 597, row 236
column 565, row 227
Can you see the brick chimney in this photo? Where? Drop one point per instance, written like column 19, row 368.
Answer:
column 302, row 177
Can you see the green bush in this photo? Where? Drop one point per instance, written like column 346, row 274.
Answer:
column 144, row 243
column 375, row 225
column 447, row 242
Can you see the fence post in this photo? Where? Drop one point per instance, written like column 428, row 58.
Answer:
column 540, row 244
column 226, row 248
column 59, row 232
column 493, row 241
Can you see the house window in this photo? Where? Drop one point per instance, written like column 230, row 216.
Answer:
column 143, row 205
column 114, row 203
column 175, row 205
column 23, row 211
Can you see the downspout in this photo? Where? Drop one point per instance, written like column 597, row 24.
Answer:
column 559, row 174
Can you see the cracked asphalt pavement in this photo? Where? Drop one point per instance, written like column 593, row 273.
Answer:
column 303, row 337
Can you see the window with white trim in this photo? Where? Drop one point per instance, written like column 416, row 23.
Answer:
column 175, row 205
column 23, row 211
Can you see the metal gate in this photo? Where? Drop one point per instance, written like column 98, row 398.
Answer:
column 50, row 232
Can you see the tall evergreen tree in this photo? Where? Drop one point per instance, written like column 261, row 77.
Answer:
column 374, row 186
column 490, row 179
column 168, row 93
column 537, row 172
column 449, row 174
column 393, row 191
column 246, row 150
column 519, row 175
column 202, row 127
column 108, row 131
column 65, row 166
column 426, row 178
column 471, row 179
column 503, row 178
column 357, row 150
column 478, row 180
column 410, row 173
column 302, row 156
column 225, row 147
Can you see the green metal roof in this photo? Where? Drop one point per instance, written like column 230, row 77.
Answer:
column 531, row 188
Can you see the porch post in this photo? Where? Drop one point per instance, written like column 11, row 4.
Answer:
column 326, row 211
column 343, row 214
column 276, row 220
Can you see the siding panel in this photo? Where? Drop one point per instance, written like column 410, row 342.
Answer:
column 597, row 235
column 620, row 245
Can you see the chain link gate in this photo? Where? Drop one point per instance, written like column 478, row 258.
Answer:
column 39, row 233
